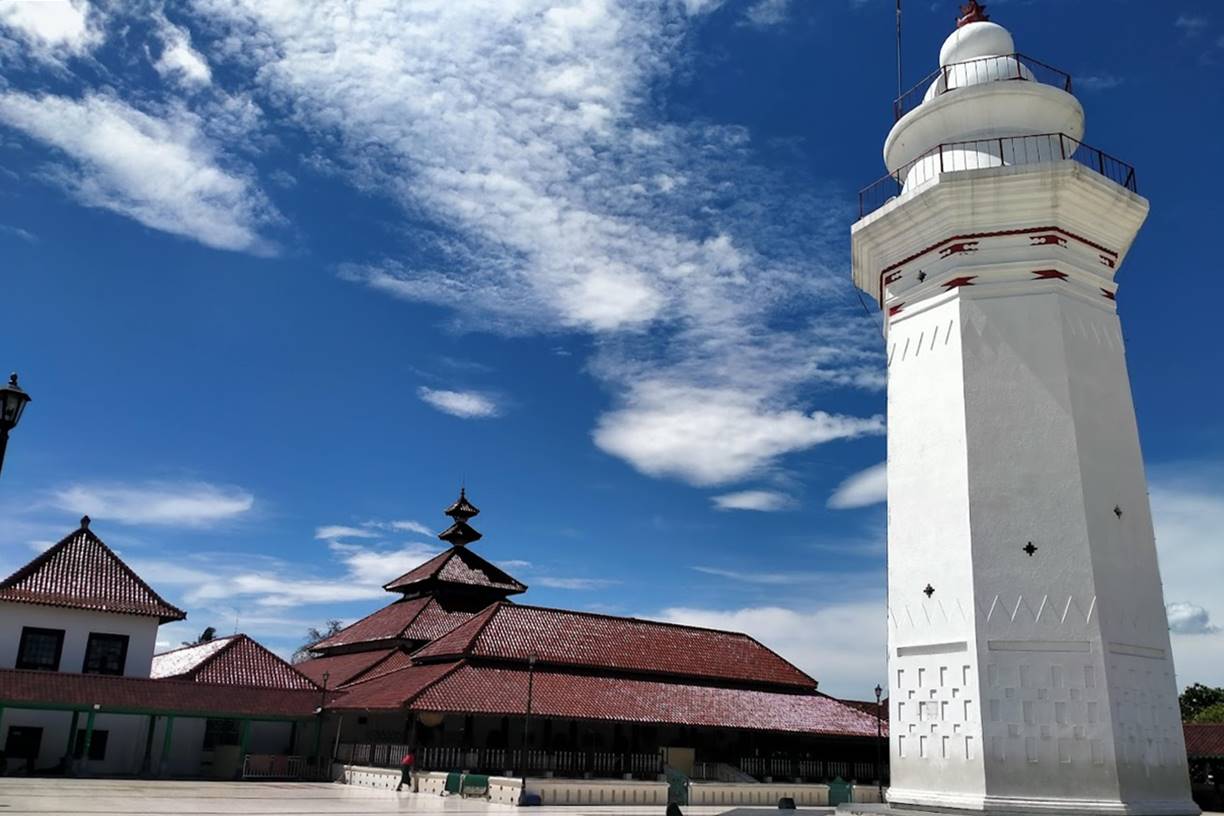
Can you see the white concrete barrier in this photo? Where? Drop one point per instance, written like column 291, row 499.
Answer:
column 369, row 777
column 597, row 792
column 739, row 794
column 865, row 794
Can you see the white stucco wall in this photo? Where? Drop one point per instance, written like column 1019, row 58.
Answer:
column 77, row 625
column 1026, row 682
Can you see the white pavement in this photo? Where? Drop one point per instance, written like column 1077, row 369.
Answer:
column 172, row 798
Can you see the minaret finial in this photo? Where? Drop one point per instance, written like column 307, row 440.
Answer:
column 460, row 533
column 972, row 12
column 84, row 522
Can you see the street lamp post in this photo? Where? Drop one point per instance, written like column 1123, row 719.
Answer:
column 531, row 661
column 879, row 739
column 12, row 402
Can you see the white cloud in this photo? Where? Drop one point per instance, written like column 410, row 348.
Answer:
column 1189, row 619
column 526, row 131
column 572, row 583
column 160, row 171
column 761, row 500
column 767, row 12
column 52, row 29
column 178, row 61
column 1190, row 23
column 1188, row 512
column 189, row 504
column 337, row 531
column 1098, row 82
column 410, row 526
column 842, row 646
column 864, row 488
column 465, row 404
column 711, row 437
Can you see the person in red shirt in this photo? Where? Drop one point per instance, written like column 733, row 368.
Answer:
column 406, row 770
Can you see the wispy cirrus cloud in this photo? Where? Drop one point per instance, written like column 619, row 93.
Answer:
column 525, row 132
column 463, row 404
column 582, row 584
column 765, row 501
column 161, row 170
column 865, row 488
column 186, row 504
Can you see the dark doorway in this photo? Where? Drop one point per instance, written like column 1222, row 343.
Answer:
column 22, row 746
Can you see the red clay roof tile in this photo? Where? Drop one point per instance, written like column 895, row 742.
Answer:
column 389, row 691
column 502, row 691
column 423, row 618
column 145, row 695
column 236, row 660
column 342, row 668
column 458, row 565
column 1204, row 740
column 567, row 638
column 80, row 572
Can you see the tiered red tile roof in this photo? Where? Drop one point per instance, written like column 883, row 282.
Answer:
column 236, row 660
column 507, row 631
column 1204, row 740
column 80, row 572
column 416, row 619
column 460, row 566
column 148, row 696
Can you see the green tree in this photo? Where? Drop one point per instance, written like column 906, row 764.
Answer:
column 209, row 633
column 1196, row 698
column 313, row 636
column 1210, row 714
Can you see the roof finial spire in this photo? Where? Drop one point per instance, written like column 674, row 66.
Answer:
column 460, row 533
column 972, row 12
column 84, row 522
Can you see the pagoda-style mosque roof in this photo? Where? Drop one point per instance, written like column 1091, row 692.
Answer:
column 455, row 642
column 438, row 595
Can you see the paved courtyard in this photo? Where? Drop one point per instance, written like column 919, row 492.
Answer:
column 129, row 796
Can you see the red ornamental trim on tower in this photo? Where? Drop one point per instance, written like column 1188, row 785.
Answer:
column 959, row 249
column 1047, row 240
column 1049, row 274
column 957, row 283
column 1109, row 295
column 972, row 12
column 893, row 273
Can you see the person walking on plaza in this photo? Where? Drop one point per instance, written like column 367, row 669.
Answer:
column 406, row 770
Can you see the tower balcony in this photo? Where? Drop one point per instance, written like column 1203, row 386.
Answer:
column 978, row 154
column 974, row 72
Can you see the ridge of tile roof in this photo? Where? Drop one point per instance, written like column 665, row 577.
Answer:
column 506, row 631
column 461, row 566
column 81, row 572
column 236, row 660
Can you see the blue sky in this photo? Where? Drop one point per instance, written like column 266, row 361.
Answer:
column 280, row 278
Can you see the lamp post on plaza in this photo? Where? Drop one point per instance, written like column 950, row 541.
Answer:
column 879, row 738
column 12, row 402
column 531, row 661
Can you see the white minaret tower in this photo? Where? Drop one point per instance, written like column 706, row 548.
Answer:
column 1030, row 668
